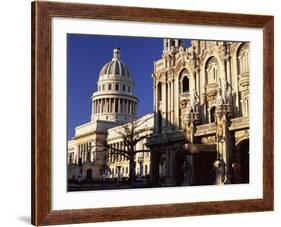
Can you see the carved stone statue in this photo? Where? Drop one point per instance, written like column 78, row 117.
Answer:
column 225, row 91
column 219, row 100
column 228, row 95
column 194, row 101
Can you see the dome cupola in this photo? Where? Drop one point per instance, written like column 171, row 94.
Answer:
column 114, row 99
column 115, row 66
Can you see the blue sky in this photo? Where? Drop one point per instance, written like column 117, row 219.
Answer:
column 86, row 54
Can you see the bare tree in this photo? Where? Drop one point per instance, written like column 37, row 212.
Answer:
column 131, row 134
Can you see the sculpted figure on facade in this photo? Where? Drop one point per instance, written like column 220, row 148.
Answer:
column 223, row 93
column 219, row 99
column 220, row 124
column 194, row 102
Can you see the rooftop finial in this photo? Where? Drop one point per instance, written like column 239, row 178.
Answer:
column 116, row 53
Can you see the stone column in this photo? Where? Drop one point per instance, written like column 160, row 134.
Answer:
column 102, row 105
column 93, row 107
column 155, row 107
column 113, row 105
column 228, row 69
column 108, row 104
column 125, row 106
column 176, row 100
column 224, row 145
column 172, row 102
column 164, row 106
column 197, row 81
column 169, row 103
column 119, row 105
column 97, row 107
column 133, row 108
column 105, row 105
column 83, row 152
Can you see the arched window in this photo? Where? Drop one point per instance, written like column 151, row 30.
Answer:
column 185, row 84
column 184, row 81
column 243, row 59
column 212, row 70
column 116, row 87
column 109, row 87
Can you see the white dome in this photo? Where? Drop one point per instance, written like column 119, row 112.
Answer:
column 114, row 100
column 115, row 66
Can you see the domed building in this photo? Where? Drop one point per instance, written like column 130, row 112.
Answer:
column 113, row 104
column 114, row 99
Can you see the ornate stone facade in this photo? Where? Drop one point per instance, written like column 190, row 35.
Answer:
column 201, row 105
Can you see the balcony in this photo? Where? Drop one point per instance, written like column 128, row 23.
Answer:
column 212, row 90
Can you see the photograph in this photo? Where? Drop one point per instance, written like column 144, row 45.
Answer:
column 145, row 112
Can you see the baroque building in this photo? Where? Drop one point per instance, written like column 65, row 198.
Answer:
column 201, row 114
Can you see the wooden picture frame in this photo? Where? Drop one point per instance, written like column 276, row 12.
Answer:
column 42, row 13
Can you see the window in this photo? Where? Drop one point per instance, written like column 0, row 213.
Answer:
column 212, row 70
column 109, row 87
column 129, row 89
column 243, row 61
column 184, row 81
column 103, row 87
column 116, row 87
column 212, row 114
column 124, row 87
column 185, row 84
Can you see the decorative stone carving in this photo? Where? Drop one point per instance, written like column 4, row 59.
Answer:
column 223, row 93
column 219, row 99
column 194, row 102
column 209, row 140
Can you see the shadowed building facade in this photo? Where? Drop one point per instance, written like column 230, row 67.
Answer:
column 201, row 114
